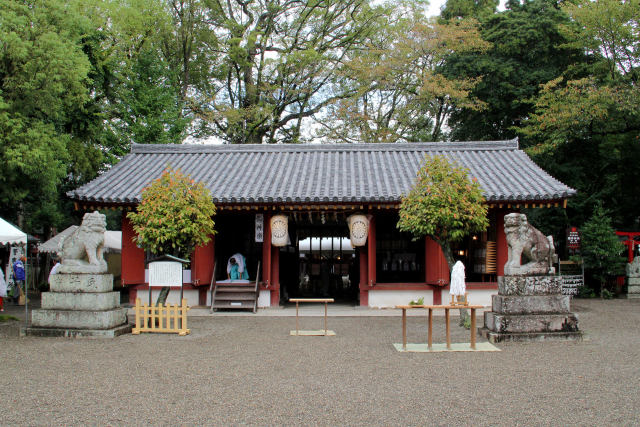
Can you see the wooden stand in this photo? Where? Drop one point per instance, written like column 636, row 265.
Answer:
column 298, row 332
column 446, row 309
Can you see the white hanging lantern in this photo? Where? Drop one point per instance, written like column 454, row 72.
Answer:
column 279, row 230
column 358, row 229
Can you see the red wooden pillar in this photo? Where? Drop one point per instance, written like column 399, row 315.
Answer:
column 436, row 268
column 364, row 278
column 275, row 276
column 203, row 259
column 132, row 258
column 502, row 249
column 371, row 251
column 266, row 252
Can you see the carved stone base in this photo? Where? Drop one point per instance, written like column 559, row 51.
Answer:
column 79, row 305
column 520, row 323
column 495, row 337
column 76, row 333
column 530, row 308
column 77, row 282
column 633, row 288
column 530, row 304
column 529, row 285
column 79, row 319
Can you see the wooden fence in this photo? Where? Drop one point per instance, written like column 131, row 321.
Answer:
column 170, row 318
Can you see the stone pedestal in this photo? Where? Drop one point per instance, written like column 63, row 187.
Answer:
column 633, row 287
column 79, row 305
column 530, row 308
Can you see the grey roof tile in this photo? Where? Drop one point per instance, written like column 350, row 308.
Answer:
column 322, row 173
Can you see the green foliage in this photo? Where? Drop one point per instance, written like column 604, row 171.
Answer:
column 399, row 93
column 175, row 215
column 601, row 249
column 43, row 77
column 420, row 301
column 7, row 318
column 444, row 204
column 607, row 294
column 529, row 48
column 586, row 292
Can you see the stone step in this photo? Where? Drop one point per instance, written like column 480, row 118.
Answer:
column 529, row 285
column 530, row 304
column 80, row 301
column 496, row 337
column 527, row 323
column 75, row 282
column 106, row 319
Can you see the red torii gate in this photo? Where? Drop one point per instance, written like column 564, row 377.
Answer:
column 633, row 239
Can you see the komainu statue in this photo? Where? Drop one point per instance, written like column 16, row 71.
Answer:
column 81, row 251
column 633, row 268
column 526, row 243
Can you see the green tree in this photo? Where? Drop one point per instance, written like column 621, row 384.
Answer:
column 266, row 66
column 529, row 47
column 444, row 204
column 43, row 91
column 468, row 8
column 174, row 216
column 601, row 249
column 586, row 130
column 399, row 93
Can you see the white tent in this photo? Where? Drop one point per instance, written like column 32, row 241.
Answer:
column 10, row 234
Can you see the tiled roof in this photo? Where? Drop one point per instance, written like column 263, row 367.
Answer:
column 340, row 173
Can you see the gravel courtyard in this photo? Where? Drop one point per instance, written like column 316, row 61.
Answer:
column 249, row 371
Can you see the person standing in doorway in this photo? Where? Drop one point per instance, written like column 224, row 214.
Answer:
column 3, row 290
column 19, row 277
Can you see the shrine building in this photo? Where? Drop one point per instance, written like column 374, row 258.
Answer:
column 288, row 207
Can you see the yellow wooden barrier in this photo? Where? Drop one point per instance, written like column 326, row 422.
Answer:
column 170, row 318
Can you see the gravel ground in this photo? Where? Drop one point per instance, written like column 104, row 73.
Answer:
column 249, row 371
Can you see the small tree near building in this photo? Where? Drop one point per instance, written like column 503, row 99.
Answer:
column 174, row 216
column 444, row 204
column 601, row 249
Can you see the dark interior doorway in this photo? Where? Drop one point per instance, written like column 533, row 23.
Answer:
column 320, row 262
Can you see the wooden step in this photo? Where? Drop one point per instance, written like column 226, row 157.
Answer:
column 234, row 289
column 231, row 296
column 233, row 304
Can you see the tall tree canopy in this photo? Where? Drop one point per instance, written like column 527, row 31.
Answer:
column 529, row 48
column 399, row 92
column 268, row 64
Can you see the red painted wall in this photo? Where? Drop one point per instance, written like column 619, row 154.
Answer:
column 437, row 269
column 202, row 261
column 132, row 256
column 364, row 278
column 371, row 252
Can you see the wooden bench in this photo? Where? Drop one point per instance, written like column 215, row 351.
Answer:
column 312, row 333
column 446, row 309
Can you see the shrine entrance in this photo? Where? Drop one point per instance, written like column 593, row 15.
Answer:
column 320, row 261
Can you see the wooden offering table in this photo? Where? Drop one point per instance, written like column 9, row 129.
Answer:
column 446, row 309
column 312, row 333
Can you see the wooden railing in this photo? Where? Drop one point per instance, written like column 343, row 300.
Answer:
column 170, row 318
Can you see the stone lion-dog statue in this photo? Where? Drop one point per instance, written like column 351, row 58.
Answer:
column 82, row 250
column 527, row 243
